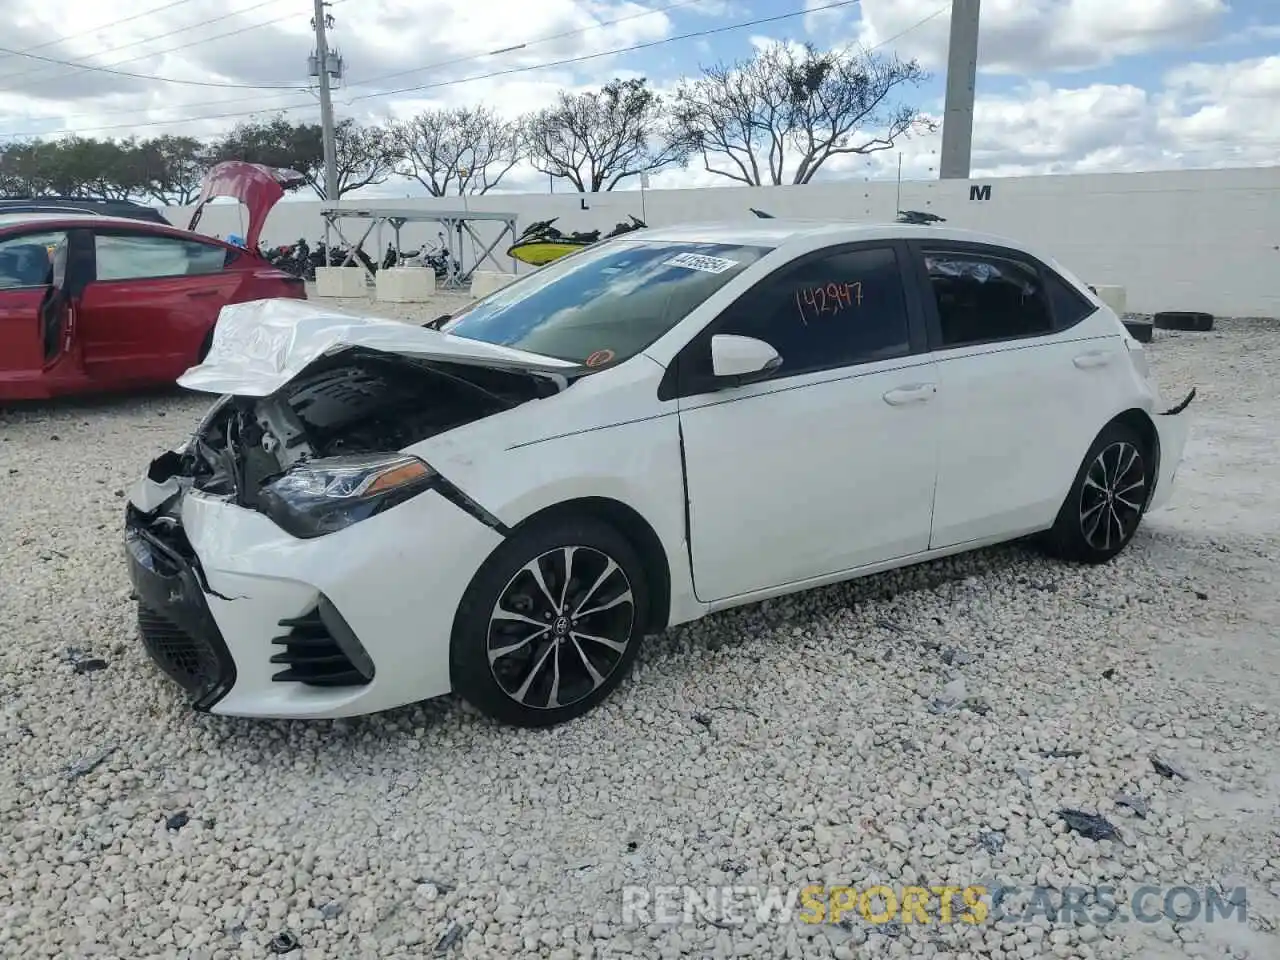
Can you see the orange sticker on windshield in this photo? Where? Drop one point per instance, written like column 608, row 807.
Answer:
column 599, row 358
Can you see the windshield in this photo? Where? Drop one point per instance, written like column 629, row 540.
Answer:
column 606, row 303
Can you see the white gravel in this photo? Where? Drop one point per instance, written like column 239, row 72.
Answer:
column 804, row 740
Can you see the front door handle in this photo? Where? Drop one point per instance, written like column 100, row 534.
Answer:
column 915, row 393
column 203, row 293
column 1094, row 358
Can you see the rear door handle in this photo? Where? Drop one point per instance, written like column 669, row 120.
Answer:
column 915, row 393
column 1094, row 358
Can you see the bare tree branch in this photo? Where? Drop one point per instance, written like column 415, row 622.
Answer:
column 795, row 109
column 461, row 151
column 596, row 140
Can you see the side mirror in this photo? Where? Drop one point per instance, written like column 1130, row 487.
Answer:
column 737, row 360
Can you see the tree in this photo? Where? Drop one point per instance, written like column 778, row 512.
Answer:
column 365, row 155
column 596, row 140
column 793, row 109
column 171, row 169
column 276, row 142
column 462, row 151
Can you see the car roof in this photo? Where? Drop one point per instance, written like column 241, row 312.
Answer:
column 778, row 232
column 75, row 216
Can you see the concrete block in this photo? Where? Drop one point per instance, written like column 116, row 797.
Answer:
column 1113, row 297
column 485, row 282
column 341, row 282
column 406, row 284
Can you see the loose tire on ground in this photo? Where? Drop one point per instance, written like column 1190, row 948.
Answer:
column 1118, row 461
column 1140, row 330
column 1184, row 320
column 529, row 648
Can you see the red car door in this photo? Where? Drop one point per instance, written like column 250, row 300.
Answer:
column 24, row 275
column 153, row 300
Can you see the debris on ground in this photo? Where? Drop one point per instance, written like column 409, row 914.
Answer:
column 284, row 942
column 91, row 665
column 451, row 936
column 177, row 821
column 1134, row 803
column 87, row 765
column 1167, row 769
column 1089, row 825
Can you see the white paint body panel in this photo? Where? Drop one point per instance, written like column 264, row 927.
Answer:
column 791, row 483
column 808, row 476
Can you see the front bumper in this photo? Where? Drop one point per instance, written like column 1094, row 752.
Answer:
column 253, row 622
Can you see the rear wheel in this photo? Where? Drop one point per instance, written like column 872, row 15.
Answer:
column 550, row 624
column 1107, row 499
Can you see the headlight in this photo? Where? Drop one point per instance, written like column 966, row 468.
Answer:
column 321, row 496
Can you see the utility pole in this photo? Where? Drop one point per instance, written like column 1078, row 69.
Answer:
column 962, row 73
column 325, row 70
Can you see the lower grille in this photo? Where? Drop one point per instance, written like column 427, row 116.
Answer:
column 193, row 663
column 321, row 650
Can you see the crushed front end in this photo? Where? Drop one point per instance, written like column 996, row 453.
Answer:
column 271, row 574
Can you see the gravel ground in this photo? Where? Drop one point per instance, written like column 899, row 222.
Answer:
column 919, row 727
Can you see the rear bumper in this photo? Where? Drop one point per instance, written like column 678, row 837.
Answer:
column 1173, row 427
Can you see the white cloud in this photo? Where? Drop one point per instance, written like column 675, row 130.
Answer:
column 1032, row 36
column 1198, row 114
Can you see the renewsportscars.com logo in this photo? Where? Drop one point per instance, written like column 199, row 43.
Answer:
column 973, row 905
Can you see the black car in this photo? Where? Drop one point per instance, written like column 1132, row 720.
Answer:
column 99, row 208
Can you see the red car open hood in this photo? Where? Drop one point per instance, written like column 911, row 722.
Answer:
column 257, row 186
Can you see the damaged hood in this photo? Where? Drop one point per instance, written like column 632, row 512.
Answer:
column 257, row 186
column 260, row 346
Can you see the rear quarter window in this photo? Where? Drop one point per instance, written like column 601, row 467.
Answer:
column 1067, row 304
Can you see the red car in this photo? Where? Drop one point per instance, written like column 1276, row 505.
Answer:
column 93, row 304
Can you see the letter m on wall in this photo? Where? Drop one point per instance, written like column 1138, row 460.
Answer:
column 980, row 192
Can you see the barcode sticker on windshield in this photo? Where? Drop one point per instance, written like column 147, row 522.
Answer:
column 697, row 261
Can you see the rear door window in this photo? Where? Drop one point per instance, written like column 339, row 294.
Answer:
column 139, row 256
column 984, row 297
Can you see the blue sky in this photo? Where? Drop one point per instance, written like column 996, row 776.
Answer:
column 1064, row 85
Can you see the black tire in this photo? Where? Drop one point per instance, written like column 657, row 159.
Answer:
column 1184, row 320
column 1140, row 330
column 533, row 665
column 1076, row 534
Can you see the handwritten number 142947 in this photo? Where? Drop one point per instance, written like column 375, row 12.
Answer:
column 828, row 298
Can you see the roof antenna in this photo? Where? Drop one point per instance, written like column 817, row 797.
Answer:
column 761, row 214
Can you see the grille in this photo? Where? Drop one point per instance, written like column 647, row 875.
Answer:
column 320, row 650
column 191, row 662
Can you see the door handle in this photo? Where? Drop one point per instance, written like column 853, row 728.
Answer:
column 915, row 393
column 1094, row 358
column 203, row 293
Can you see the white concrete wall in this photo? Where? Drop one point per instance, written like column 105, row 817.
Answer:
column 1185, row 240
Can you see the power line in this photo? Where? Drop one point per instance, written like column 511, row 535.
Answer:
column 105, row 26
column 111, row 68
column 81, row 65
column 447, row 83
column 712, row 31
column 528, row 43
column 372, row 80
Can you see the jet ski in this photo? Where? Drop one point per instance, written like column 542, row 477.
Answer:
column 542, row 242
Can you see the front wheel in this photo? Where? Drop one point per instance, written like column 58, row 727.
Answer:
column 1107, row 499
column 550, row 624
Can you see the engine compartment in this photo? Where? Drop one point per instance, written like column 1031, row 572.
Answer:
column 358, row 402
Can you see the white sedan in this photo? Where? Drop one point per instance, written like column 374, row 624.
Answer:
column 638, row 435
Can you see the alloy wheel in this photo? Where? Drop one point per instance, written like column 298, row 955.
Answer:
column 1112, row 496
column 560, row 627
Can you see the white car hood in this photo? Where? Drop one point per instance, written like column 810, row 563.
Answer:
column 260, row 346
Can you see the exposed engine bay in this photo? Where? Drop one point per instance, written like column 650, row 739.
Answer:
column 357, row 402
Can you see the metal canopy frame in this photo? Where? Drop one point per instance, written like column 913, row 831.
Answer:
column 454, row 222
